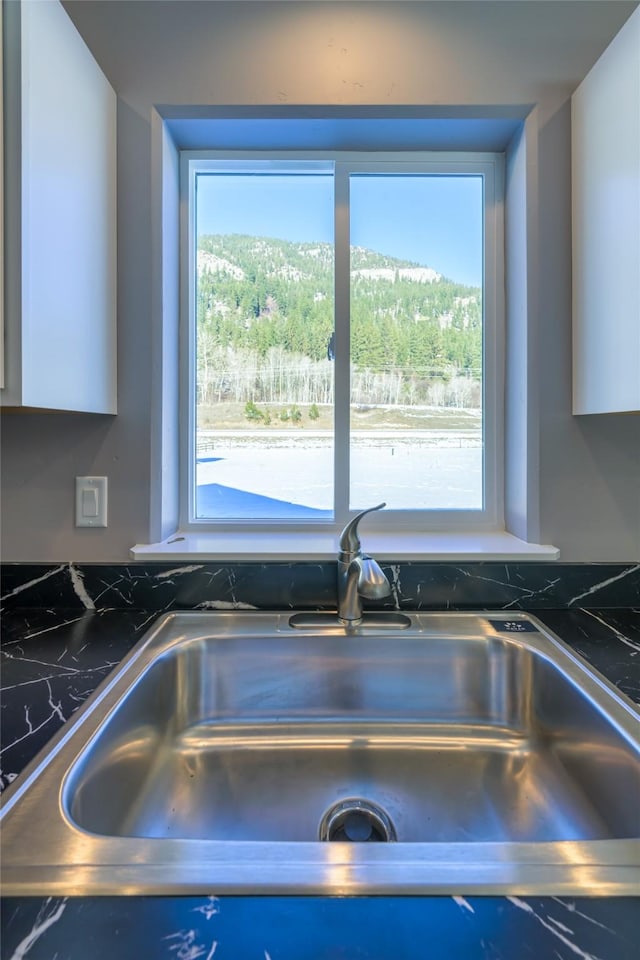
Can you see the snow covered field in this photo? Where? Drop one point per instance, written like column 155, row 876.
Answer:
column 293, row 476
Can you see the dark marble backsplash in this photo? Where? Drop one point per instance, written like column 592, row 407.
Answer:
column 273, row 586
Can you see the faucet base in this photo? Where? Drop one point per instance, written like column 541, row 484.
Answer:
column 322, row 620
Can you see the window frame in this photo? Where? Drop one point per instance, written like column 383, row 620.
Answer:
column 490, row 166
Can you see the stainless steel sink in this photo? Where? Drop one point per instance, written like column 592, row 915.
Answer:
column 237, row 753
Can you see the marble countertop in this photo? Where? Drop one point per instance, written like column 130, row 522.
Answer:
column 53, row 658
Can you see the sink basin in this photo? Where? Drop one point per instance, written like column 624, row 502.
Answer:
column 238, row 753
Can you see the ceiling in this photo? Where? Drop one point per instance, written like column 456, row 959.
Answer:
column 153, row 50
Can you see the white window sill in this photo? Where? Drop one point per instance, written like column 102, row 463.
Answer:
column 265, row 547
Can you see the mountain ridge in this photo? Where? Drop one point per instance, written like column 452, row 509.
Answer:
column 215, row 250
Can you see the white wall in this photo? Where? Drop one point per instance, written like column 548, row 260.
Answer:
column 337, row 54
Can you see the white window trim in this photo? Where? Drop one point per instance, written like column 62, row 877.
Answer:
column 517, row 541
column 398, row 546
column 491, row 168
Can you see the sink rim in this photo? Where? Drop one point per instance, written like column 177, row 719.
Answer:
column 79, row 862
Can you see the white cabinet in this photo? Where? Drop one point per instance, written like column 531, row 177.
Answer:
column 60, row 216
column 606, row 229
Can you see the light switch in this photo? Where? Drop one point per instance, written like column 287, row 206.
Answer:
column 91, row 501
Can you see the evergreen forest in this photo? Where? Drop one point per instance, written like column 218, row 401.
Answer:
column 265, row 322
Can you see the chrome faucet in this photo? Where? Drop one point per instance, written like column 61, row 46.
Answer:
column 358, row 574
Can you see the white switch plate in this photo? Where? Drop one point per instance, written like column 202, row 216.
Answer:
column 91, row 501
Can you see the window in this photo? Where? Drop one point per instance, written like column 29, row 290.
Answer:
column 343, row 339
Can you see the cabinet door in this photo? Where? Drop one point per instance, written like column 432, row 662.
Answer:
column 61, row 215
column 606, row 229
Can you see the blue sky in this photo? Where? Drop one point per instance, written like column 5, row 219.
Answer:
column 434, row 221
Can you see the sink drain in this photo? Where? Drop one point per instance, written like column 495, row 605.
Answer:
column 357, row 821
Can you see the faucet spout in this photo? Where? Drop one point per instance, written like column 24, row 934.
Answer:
column 359, row 575
column 372, row 583
column 350, row 538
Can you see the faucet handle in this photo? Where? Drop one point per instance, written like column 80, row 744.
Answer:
column 349, row 539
